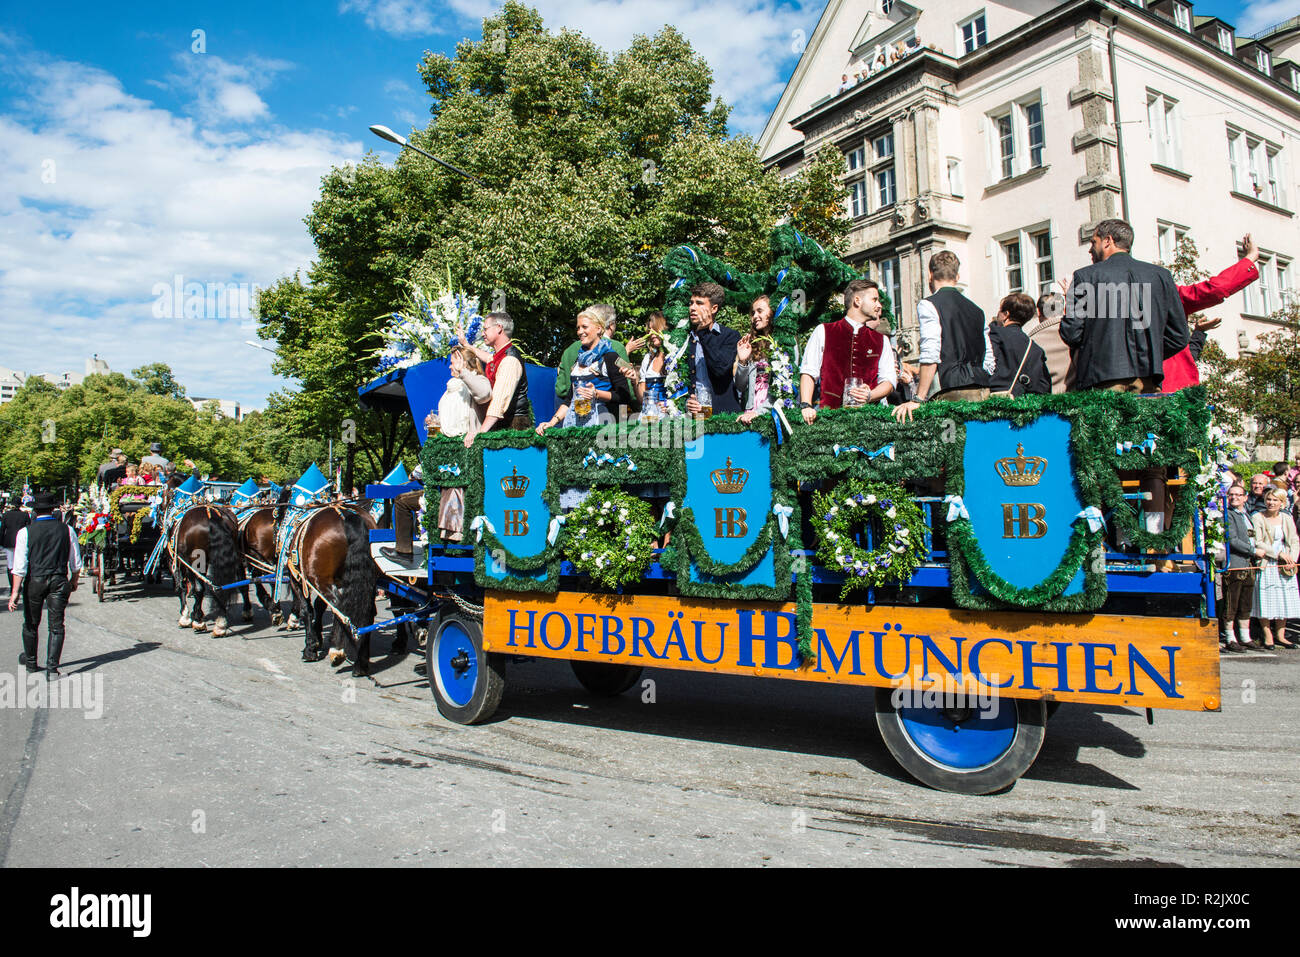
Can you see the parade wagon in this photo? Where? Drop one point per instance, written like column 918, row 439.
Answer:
column 119, row 541
column 970, row 570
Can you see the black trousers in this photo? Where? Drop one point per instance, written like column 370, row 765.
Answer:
column 404, row 507
column 38, row 594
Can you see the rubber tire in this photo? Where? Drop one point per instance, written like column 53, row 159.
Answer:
column 606, row 679
column 1031, row 727
column 490, row 669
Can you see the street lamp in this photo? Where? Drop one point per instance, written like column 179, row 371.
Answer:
column 384, row 133
column 258, row 345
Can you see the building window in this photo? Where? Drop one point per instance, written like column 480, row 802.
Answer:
column 1259, row 295
column 1168, row 236
column 974, row 32
column 887, row 270
column 858, row 198
column 1285, row 292
column 1021, row 139
column 882, row 168
column 1041, row 243
column 955, row 187
column 1162, row 126
column 1225, row 40
column 1034, row 125
column 1295, row 79
column 1183, row 17
column 1264, row 62
column 885, row 7
column 1006, row 145
column 1012, row 266
column 857, row 159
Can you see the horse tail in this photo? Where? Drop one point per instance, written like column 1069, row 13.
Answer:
column 359, row 573
column 223, row 553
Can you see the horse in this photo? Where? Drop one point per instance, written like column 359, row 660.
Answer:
column 204, row 558
column 257, row 545
column 333, row 569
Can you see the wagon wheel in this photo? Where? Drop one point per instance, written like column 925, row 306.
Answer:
column 99, row 574
column 606, row 679
column 467, row 682
column 969, row 750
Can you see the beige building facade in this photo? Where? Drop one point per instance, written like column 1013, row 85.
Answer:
column 1005, row 131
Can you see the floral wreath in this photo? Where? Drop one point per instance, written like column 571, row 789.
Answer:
column 611, row 537
column 850, row 505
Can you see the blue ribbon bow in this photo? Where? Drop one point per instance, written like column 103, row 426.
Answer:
column 1092, row 515
column 451, row 469
column 956, row 508
column 783, row 513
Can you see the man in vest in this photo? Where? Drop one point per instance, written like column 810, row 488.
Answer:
column 12, row 522
column 956, row 356
column 508, row 408
column 47, row 564
column 848, row 348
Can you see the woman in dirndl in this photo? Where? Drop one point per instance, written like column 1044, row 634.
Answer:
column 460, row 413
column 1277, row 596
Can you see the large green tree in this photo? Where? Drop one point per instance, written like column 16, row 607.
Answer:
column 589, row 168
column 1260, row 385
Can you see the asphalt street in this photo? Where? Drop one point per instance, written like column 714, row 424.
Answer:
column 233, row 752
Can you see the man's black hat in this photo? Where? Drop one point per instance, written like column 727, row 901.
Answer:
column 44, row 501
column 156, row 448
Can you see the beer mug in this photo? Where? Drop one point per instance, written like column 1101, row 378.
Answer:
column 849, row 385
column 435, row 426
column 704, row 396
column 581, row 406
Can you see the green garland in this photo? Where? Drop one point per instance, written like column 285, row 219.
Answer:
column 137, row 523
column 966, row 557
column 115, row 499
column 611, row 537
column 844, row 509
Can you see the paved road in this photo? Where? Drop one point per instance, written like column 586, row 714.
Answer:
column 234, row 752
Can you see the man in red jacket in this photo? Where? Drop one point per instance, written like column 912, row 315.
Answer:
column 1180, row 369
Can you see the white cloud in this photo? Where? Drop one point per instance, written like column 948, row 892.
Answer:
column 399, row 17
column 750, row 44
column 1259, row 15
column 223, row 91
column 104, row 196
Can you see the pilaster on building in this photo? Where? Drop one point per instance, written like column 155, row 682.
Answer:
column 1005, row 132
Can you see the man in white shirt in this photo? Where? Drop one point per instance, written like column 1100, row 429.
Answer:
column 848, row 349
column 47, row 562
column 957, row 358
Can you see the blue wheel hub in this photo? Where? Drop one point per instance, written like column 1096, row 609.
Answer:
column 966, row 739
column 455, row 665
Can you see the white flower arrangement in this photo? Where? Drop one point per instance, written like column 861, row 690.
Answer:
column 431, row 329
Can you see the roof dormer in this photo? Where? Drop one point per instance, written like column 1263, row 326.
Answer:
column 1217, row 33
column 1257, row 55
column 1175, row 11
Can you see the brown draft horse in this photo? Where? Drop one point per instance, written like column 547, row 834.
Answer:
column 335, row 570
column 203, row 547
column 257, row 545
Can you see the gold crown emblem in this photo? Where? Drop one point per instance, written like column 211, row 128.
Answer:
column 514, row 485
column 1023, row 469
column 730, row 480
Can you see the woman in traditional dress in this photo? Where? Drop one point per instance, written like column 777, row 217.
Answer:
column 1277, row 596
column 654, row 370
column 460, row 413
column 753, row 369
column 597, row 387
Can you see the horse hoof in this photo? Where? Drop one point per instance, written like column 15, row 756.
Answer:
column 359, row 672
column 312, row 656
column 184, row 622
column 337, row 657
column 293, row 623
column 200, row 627
column 248, row 617
column 277, row 619
column 219, row 632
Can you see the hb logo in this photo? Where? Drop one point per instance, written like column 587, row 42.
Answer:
column 1024, row 521
column 730, row 523
column 516, row 522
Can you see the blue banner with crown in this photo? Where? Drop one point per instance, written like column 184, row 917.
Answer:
column 510, row 531
column 1027, row 528
column 729, row 502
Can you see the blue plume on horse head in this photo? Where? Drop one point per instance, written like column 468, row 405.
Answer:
column 245, row 493
column 189, row 487
column 398, row 476
column 310, row 484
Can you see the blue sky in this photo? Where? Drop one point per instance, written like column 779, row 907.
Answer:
column 137, row 156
